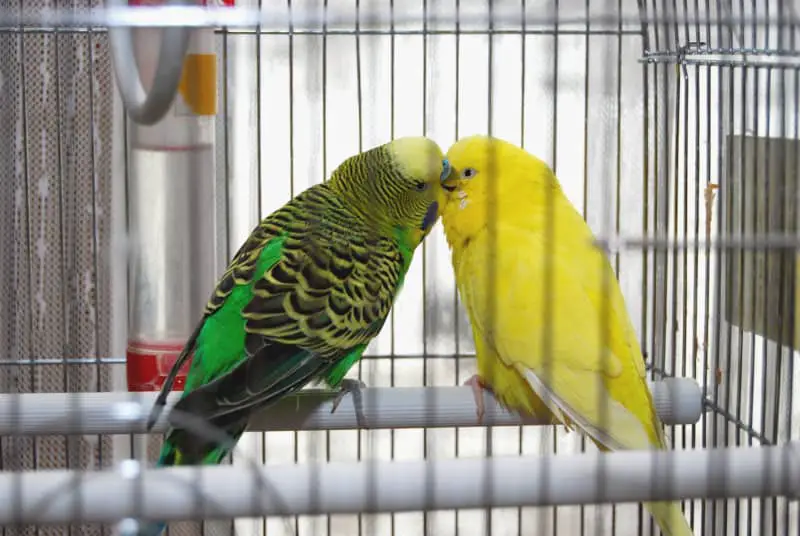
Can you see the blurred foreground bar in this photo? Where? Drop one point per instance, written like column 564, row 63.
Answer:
column 179, row 493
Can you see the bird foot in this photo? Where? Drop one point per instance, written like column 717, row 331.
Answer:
column 478, row 387
column 353, row 387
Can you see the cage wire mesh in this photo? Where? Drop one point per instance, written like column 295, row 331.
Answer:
column 670, row 124
column 55, row 232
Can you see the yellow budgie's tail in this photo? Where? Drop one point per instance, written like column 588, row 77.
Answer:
column 669, row 518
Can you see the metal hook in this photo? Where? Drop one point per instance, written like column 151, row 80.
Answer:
column 691, row 46
column 148, row 108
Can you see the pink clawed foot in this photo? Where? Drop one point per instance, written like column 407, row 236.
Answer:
column 478, row 387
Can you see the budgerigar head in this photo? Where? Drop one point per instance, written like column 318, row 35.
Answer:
column 398, row 185
column 488, row 174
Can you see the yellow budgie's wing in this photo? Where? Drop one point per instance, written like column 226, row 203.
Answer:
column 604, row 393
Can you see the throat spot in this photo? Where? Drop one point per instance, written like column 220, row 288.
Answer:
column 463, row 201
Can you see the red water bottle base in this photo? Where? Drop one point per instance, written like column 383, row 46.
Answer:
column 148, row 365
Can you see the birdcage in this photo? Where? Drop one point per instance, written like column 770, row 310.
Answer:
column 672, row 127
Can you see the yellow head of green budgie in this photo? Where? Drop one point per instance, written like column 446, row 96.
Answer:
column 552, row 334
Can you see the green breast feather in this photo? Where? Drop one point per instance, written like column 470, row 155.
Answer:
column 220, row 345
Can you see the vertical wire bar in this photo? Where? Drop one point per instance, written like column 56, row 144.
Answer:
column 491, row 216
column 740, row 253
column 603, row 320
column 766, row 506
column 712, row 328
column 520, row 429
column 672, row 275
column 707, row 248
column 661, row 90
column 132, row 440
column 259, row 191
column 259, row 115
column 548, row 254
column 754, row 199
column 680, row 269
column 782, row 257
column 392, row 340
column 430, row 400
column 695, row 344
column 646, row 70
column 226, row 167
column 456, row 312
column 618, row 162
column 26, row 193
column 725, row 77
column 65, row 307
column 684, row 278
column 290, row 39
column 670, row 362
column 723, row 258
column 586, row 70
column 372, row 483
column 360, row 115
column 743, row 189
column 95, row 227
column 618, row 171
column 328, row 520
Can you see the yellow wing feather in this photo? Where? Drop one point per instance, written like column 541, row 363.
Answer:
column 517, row 334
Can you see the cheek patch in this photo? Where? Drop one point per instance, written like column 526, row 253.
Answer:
column 430, row 216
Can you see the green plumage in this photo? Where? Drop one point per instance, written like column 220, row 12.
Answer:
column 303, row 296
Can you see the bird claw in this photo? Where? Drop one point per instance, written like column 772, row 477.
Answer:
column 478, row 387
column 353, row 387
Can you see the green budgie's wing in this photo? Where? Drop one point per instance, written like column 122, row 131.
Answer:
column 302, row 298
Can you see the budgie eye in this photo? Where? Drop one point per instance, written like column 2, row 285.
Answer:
column 421, row 186
column 468, row 173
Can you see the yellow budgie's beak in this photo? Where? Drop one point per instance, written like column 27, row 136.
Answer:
column 449, row 177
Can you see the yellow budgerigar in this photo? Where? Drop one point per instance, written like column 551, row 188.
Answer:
column 552, row 335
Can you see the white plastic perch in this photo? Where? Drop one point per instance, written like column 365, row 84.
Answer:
column 350, row 487
column 677, row 400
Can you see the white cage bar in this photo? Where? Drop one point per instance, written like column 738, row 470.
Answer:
column 677, row 401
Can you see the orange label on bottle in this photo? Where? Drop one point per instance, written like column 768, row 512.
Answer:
column 198, row 85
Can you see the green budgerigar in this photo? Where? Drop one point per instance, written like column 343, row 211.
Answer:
column 303, row 296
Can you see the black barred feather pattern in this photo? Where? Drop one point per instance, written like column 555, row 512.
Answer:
column 341, row 263
column 330, row 292
column 334, row 285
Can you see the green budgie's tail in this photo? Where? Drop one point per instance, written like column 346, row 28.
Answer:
column 171, row 456
column 669, row 518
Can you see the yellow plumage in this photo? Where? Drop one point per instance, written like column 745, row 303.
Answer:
column 552, row 334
